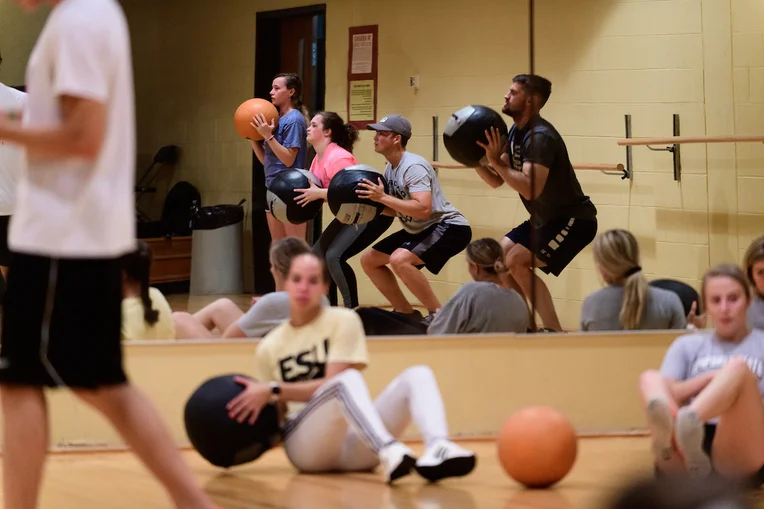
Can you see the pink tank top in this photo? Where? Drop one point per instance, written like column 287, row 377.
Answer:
column 334, row 160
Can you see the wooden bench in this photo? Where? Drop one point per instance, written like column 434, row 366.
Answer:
column 172, row 259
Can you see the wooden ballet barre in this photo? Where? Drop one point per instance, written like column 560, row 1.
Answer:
column 599, row 166
column 676, row 140
column 606, row 168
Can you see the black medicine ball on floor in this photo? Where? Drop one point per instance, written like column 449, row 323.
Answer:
column 468, row 126
column 281, row 194
column 219, row 439
column 345, row 204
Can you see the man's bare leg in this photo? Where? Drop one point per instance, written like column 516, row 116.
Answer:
column 403, row 263
column 25, row 445
column 136, row 419
column 506, row 246
column 519, row 261
column 374, row 264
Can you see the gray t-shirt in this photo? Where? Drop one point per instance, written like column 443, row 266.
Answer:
column 663, row 310
column 756, row 313
column 480, row 307
column 693, row 354
column 268, row 312
column 414, row 174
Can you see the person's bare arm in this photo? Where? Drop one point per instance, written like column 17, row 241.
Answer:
column 303, row 391
column 684, row 390
column 247, row 405
column 531, row 180
column 285, row 155
column 489, row 176
column 529, row 183
column 418, row 207
column 80, row 134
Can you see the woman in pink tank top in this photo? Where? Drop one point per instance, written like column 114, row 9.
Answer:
column 333, row 141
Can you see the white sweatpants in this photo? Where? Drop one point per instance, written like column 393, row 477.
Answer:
column 341, row 429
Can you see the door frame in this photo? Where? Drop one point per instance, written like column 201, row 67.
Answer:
column 267, row 22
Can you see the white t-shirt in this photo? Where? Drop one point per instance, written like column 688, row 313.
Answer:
column 70, row 207
column 11, row 155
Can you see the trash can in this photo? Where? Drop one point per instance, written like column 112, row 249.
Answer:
column 216, row 266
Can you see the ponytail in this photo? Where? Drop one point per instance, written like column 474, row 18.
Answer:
column 635, row 289
column 344, row 135
column 349, row 137
column 137, row 267
column 294, row 82
column 298, row 105
column 487, row 254
column 616, row 254
column 499, row 267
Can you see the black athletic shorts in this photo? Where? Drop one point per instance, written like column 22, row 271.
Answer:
column 62, row 323
column 5, row 252
column 435, row 245
column 557, row 242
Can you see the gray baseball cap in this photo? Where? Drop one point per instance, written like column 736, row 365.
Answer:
column 395, row 123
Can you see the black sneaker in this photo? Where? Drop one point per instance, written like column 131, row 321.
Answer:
column 415, row 316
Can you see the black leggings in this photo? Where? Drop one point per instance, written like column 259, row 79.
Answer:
column 339, row 243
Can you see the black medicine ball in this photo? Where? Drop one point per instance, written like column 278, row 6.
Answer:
column 345, row 204
column 468, row 126
column 281, row 194
column 217, row 437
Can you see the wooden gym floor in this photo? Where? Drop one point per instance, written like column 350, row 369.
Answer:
column 116, row 480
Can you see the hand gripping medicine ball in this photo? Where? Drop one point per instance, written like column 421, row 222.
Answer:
column 220, row 440
column 242, row 119
column 281, row 194
column 468, row 126
column 345, row 204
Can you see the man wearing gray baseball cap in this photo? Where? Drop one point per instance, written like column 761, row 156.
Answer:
column 433, row 230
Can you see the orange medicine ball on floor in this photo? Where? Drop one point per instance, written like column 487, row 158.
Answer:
column 537, row 446
column 242, row 119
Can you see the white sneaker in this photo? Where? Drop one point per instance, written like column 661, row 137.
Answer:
column 397, row 461
column 689, row 441
column 445, row 459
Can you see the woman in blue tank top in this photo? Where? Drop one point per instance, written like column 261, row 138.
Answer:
column 284, row 145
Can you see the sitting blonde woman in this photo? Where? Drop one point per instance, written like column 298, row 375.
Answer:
column 627, row 302
column 486, row 304
column 146, row 314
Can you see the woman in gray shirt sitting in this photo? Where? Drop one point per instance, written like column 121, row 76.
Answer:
column 754, row 269
column 704, row 406
column 486, row 304
column 627, row 302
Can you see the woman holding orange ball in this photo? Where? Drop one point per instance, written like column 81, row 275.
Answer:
column 704, row 407
column 283, row 146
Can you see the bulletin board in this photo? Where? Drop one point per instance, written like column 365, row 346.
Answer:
column 362, row 75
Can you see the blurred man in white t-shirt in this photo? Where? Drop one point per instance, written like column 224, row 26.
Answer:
column 11, row 160
column 73, row 221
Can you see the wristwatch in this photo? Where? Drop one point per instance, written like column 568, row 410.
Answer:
column 275, row 392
